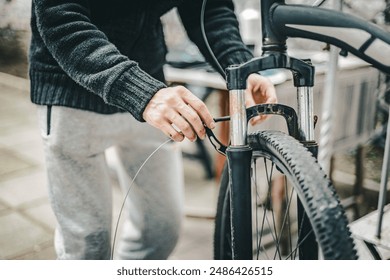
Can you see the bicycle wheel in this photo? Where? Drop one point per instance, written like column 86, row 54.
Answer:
column 282, row 170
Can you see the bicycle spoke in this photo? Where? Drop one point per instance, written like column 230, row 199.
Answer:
column 258, row 245
column 299, row 234
column 272, row 224
column 279, row 223
column 274, row 233
column 254, row 173
column 299, row 244
column 286, row 217
column 289, row 221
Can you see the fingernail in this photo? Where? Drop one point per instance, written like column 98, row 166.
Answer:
column 212, row 125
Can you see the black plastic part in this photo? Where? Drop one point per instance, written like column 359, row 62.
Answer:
column 218, row 146
column 239, row 161
column 287, row 112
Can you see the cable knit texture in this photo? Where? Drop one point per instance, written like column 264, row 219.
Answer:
column 103, row 56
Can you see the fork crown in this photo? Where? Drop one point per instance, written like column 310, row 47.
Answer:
column 303, row 71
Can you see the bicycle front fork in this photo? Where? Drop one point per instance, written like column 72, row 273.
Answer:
column 308, row 248
column 239, row 156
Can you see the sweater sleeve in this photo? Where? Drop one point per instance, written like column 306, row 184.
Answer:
column 86, row 55
column 222, row 31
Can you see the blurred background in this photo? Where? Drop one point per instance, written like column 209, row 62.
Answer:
column 354, row 154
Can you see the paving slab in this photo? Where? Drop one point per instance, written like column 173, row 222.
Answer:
column 196, row 241
column 12, row 163
column 20, row 191
column 43, row 215
column 44, row 252
column 18, row 235
column 3, row 207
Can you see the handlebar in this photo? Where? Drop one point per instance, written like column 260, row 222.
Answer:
column 348, row 32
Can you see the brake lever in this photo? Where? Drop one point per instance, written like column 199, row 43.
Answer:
column 218, row 146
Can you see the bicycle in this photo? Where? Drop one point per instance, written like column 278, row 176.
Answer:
column 318, row 228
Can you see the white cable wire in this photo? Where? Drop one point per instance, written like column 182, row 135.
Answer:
column 128, row 191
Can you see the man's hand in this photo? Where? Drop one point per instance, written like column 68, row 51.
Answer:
column 259, row 90
column 178, row 113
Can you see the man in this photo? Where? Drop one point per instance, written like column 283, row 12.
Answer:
column 90, row 63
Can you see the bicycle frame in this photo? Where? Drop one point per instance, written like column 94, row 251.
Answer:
column 280, row 21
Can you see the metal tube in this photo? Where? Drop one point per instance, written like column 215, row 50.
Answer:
column 326, row 131
column 305, row 113
column 383, row 184
column 238, row 121
column 328, row 104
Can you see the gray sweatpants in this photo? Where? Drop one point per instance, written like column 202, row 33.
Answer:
column 79, row 185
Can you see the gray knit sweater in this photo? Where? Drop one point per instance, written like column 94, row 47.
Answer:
column 102, row 55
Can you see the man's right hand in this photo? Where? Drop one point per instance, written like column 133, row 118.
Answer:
column 178, row 113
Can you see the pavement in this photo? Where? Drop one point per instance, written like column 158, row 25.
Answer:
column 26, row 219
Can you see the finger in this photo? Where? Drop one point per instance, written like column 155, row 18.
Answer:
column 255, row 120
column 201, row 109
column 249, row 101
column 194, row 119
column 172, row 133
column 262, row 89
column 183, row 126
column 271, row 96
column 258, row 119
